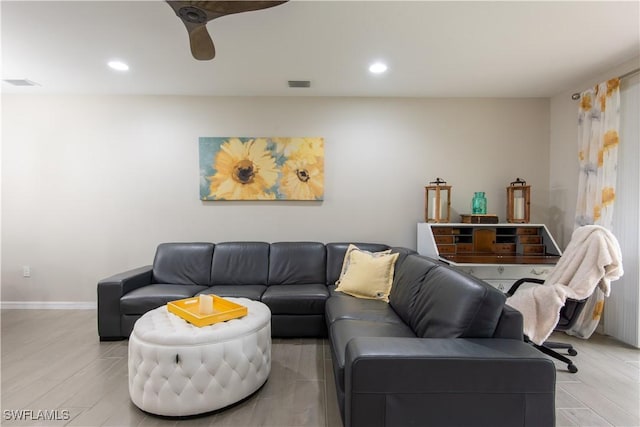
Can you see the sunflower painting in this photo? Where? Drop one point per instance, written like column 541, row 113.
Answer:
column 239, row 168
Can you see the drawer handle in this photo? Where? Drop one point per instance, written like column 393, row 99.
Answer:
column 500, row 269
column 538, row 273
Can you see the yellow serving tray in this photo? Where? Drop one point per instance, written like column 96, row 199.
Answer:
column 223, row 310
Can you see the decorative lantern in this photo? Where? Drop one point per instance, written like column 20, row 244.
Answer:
column 518, row 202
column 437, row 201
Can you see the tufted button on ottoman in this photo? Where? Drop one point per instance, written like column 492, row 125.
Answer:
column 178, row 369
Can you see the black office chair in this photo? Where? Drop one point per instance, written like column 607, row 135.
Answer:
column 568, row 317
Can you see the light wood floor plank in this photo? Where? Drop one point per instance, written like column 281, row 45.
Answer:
column 19, row 397
column 564, row 400
column 332, row 410
column 81, row 383
column 607, row 409
column 128, row 415
column 564, row 421
column 110, row 402
column 584, row 417
column 237, row 415
column 153, row 421
column 311, row 365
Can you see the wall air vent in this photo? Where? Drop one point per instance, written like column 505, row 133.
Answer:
column 21, row 82
column 299, row 83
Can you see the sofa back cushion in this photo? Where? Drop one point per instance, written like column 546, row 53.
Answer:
column 409, row 276
column 297, row 263
column 240, row 263
column 335, row 257
column 183, row 263
column 403, row 253
column 452, row 304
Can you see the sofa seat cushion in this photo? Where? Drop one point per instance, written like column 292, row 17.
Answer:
column 342, row 331
column 359, row 309
column 253, row 292
column 296, row 299
column 146, row 298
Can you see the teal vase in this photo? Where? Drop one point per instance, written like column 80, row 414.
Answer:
column 479, row 203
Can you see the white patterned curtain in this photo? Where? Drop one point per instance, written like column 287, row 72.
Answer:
column 598, row 130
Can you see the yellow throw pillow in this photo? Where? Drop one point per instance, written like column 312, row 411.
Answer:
column 369, row 276
column 345, row 262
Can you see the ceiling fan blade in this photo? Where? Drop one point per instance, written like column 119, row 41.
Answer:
column 196, row 14
column 221, row 8
column 202, row 47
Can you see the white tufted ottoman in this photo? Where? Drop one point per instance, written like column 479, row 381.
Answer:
column 178, row 369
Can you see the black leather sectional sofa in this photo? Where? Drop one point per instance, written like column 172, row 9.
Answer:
column 445, row 350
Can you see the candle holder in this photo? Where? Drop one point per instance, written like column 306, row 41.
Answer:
column 437, row 201
column 518, row 202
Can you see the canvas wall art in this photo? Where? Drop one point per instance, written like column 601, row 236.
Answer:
column 265, row 168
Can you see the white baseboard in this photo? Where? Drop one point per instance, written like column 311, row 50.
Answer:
column 48, row 305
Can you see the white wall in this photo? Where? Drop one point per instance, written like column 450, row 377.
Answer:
column 91, row 184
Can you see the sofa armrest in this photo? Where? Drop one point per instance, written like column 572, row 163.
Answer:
column 439, row 381
column 109, row 292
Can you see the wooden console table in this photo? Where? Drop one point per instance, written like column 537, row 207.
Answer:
column 499, row 254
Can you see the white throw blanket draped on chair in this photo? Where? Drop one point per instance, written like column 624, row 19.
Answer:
column 591, row 259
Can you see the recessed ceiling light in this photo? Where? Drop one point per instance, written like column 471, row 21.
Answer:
column 378, row 67
column 118, row 65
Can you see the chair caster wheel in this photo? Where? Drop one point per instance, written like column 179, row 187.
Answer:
column 572, row 352
column 572, row 368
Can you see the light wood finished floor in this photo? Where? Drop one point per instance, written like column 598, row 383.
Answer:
column 52, row 359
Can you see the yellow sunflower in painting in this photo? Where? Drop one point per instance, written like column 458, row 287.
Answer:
column 244, row 171
column 302, row 174
column 310, row 149
column 302, row 180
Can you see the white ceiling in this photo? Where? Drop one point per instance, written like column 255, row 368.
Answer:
column 433, row 49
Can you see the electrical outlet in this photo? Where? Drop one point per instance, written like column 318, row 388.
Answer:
column 26, row 271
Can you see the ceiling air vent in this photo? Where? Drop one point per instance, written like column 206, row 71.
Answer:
column 21, row 82
column 299, row 83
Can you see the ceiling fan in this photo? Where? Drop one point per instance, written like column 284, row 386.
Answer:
column 196, row 14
